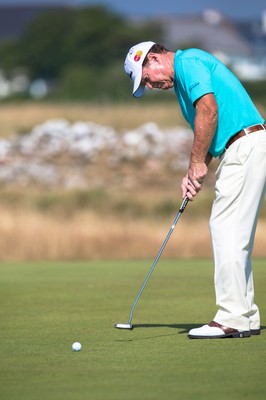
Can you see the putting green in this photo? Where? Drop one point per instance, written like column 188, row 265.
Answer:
column 45, row 307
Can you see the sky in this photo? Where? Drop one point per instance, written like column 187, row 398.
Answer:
column 234, row 9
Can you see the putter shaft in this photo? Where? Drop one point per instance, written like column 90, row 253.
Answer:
column 181, row 209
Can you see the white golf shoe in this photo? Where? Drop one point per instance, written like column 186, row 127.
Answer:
column 216, row 331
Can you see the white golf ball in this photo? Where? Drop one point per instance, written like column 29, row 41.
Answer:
column 76, row 346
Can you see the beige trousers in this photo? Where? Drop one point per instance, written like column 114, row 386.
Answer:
column 240, row 190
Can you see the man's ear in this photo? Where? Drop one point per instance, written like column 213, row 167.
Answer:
column 152, row 57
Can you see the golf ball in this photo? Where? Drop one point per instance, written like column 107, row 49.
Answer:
column 76, row 346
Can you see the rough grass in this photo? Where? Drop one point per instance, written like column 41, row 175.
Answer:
column 21, row 117
column 45, row 307
column 82, row 225
column 83, row 235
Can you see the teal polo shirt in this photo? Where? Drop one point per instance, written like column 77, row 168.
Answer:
column 198, row 73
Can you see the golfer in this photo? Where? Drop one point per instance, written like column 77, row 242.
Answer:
column 226, row 124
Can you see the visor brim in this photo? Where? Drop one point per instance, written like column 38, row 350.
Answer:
column 138, row 88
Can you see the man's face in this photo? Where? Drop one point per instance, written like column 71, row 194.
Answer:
column 156, row 74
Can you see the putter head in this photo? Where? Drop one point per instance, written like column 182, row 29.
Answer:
column 124, row 326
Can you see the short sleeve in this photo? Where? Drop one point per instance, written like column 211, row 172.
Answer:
column 196, row 78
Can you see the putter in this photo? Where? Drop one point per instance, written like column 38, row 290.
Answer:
column 129, row 324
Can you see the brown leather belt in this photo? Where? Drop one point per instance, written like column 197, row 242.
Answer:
column 244, row 132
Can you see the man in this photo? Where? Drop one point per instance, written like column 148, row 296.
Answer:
column 226, row 124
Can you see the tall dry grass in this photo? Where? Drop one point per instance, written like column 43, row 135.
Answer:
column 21, row 117
column 31, row 235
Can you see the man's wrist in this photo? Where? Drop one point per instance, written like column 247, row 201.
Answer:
column 197, row 160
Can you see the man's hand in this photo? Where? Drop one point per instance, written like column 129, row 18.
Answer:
column 192, row 182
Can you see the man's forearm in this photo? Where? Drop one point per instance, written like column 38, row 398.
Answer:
column 205, row 125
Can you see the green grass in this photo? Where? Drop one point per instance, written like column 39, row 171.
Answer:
column 45, row 307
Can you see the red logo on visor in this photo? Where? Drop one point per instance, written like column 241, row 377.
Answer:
column 138, row 55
